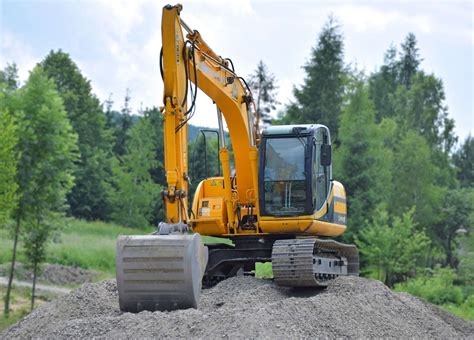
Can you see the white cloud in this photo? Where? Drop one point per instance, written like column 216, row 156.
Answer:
column 12, row 49
column 366, row 18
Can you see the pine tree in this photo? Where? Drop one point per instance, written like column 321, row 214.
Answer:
column 409, row 60
column 463, row 159
column 89, row 197
column 123, row 126
column 383, row 85
column 136, row 193
column 9, row 76
column 47, row 147
column 319, row 99
column 361, row 162
column 263, row 86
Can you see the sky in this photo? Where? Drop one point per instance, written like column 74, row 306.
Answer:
column 116, row 43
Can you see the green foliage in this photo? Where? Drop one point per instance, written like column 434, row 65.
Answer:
column 35, row 239
column 393, row 247
column 382, row 85
column 457, row 212
column 409, row 60
column 48, row 148
column 122, row 126
column 136, row 193
column 421, row 108
column 9, row 77
column 319, row 99
column 414, row 181
column 361, row 162
column 89, row 197
column 465, row 311
column 437, row 287
column 463, row 159
column 263, row 86
column 8, row 165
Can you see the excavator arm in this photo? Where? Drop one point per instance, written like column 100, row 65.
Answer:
column 164, row 271
column 192, row 60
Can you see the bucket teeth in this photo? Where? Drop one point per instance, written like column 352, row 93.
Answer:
column 159, row 272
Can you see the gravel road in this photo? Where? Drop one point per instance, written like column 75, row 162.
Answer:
column 245, row 307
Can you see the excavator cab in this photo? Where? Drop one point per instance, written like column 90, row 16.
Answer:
column 294, row 170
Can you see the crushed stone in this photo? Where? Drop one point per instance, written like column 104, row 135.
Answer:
column 246, row 307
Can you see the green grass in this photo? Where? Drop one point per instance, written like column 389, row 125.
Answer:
column 89, row 245
column 466, row 313
column 264, row 270
column 20, row 304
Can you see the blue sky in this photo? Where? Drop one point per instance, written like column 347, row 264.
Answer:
column 116, row 43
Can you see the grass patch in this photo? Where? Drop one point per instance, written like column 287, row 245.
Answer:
column 85, row 244
column 20, row 300
column 264, row 270
column 460, row 311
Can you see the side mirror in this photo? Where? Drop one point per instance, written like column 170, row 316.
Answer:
column 326, row 154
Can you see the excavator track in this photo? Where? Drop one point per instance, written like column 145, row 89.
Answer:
column 312, row 262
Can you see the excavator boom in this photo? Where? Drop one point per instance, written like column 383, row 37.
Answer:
column 281, row 204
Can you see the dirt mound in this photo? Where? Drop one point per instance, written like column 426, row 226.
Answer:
column 248, row 307
column 53, row 274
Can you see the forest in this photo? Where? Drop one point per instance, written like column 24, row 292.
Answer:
column 408, row 177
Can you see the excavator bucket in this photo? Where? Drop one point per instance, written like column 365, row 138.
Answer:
column 160, row 272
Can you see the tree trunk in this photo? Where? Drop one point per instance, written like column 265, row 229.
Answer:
column 12, row 268
column 33, row 289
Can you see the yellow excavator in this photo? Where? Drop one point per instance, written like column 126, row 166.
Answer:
column 279, row 205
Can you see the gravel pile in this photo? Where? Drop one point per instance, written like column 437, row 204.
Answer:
column 248, row 307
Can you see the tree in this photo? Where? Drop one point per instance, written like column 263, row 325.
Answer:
column 123, row 126
column 421, row 108
column 393, row 247
column 320, row 98
column 463, row 159
column 456, row 213
column 414, row 180
column 263, row 86
column 89, row 197
column 383, row 84
column 409, row 60
column 9, row 76
column 135, row 191
column 35, row 237
column 361, row 162
column 48, row 149
column 8, row 165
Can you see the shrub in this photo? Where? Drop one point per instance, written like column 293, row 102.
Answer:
column 437, row 287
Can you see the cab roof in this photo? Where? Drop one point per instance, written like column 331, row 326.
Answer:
column 288, row 129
